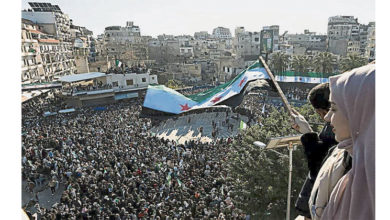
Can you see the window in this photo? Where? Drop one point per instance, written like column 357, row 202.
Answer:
column 115, row 84
column 256, row 39
column 129, row 82
column 143, row 80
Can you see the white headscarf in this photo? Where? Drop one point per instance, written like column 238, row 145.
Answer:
column 353, row 197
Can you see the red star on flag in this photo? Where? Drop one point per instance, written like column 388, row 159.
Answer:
column 185, row 107
column 216, row 99
column 242, row 81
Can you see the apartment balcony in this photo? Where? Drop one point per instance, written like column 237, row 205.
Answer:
column 24, row 68
column 25, row 54
column 32, row 67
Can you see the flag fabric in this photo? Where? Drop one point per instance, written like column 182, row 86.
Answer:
column 301, row 79
column 243, row 125
column 179, row 182
column 161, row 98
column 169, row 179
column 118, row 63
column 263, row 110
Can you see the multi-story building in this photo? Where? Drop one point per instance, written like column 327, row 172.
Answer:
column 222, row 33
column 353, row 47
column 117, row 34
column 57, row 58
column 246, row 44
column 342, row 30
column 49, row 29
column 269, row 39
column 201, row 35
column 306, row 42
column 32, row 67
column 50, row 17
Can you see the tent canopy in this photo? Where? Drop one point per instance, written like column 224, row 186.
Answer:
column 81, row 77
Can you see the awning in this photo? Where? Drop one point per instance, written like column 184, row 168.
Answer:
column 126, row 95
column 81, row 77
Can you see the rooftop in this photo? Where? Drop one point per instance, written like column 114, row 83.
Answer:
column 81, row 77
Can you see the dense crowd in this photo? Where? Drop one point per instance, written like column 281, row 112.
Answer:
column 84, row 88
column 138, row 69
column 113, row 169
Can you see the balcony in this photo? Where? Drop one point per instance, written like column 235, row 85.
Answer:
column 24, row 54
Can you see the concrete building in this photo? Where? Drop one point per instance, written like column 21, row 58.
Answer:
column 222, row 33
column 306, row 42
column 117, row 34
column 32, row 67
column 187, row 73
column 342, row 30
column 246, row 43
column 353, row 47
column 187, row 51
column 96, row 88
column 50, row 17
column 57, row 58
column 44, row 57
column 201, row 35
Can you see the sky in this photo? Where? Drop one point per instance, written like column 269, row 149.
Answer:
column 177, row 17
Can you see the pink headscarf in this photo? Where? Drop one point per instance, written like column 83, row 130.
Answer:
column 353, row 197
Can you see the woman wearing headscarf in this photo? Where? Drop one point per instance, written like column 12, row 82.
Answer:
column 352, row 115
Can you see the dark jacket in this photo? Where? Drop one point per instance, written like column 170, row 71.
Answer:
column 316, row 148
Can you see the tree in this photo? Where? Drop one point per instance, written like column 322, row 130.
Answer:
column 260, row 177
column 173, row 84
column 352, row 61
column 323, row 62
column 279, row 62
column 301, row 64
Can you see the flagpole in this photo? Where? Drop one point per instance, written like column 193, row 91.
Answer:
column 280, row 92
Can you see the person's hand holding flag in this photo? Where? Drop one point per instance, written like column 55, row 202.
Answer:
column 300, row 124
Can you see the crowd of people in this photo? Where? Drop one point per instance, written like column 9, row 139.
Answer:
column 138, row 69
column 113, row 169
column 85, row 88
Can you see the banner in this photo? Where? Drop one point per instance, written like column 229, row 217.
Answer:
column 301, row 79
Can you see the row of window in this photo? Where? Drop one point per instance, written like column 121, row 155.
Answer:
column 129, row 82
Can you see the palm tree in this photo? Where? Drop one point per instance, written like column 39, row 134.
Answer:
column 301, row 64
column 323, row 63
column 279, row 62
column 352, row 61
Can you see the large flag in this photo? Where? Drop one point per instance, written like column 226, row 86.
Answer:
column 161, row 98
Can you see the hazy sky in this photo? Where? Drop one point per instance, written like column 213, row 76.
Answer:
column 177, row 17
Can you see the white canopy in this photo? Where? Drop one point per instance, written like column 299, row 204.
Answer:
column 81, row 77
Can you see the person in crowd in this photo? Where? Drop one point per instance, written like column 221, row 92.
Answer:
column 316, row 146
column 353, row 117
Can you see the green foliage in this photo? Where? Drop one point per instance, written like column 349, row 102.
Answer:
column 260, row 177
column 173, row 84
column 279, row 62
column 324, row 62
column 301, row 64
column 352, row 61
